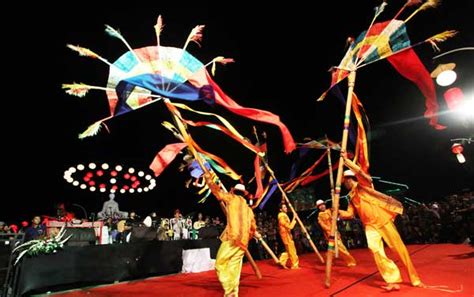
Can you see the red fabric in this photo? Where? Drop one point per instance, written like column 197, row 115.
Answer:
column 362, row 150
column 254, row 114
column 14, row 228
column 454, row 98
column 166, row 156
column 225, row 131
column 409, row 66
column 438, row 264
column 291, row 185
column 258, row 172
column 70, row 216
column 313, row 178
column 190, row 141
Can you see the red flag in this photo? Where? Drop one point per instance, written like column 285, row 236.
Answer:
column 409, row 66
column 254, row 114
column 312, row 178
column 166, row 156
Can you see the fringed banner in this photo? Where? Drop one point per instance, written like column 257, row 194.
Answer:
column 361, row 150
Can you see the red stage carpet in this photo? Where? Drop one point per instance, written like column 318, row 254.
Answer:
column 441, row 264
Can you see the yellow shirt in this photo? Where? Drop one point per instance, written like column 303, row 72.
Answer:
column 241, row 224
column 285, row 226
column 369, row 207
column 324, row 220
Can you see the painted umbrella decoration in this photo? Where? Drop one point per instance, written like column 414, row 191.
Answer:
column 389, row 40
column 141, row 76
column 164, row 71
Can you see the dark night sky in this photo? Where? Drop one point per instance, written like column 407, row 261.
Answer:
column 282, row 55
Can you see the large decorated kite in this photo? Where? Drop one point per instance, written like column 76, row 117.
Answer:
column 141, row 76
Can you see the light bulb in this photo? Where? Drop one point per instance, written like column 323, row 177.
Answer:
column 461, row 158
column 446, row 78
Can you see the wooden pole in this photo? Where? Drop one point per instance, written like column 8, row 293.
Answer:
column 335, row 202
column 331, row 182
column 185, row 134
column 257, row 236
column 260, row 238
column 268, row 249
column 303, row 228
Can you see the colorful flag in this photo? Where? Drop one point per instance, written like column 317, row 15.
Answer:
column 385, row 39
column 390, row 40
column 166, row 156
column 175, row 74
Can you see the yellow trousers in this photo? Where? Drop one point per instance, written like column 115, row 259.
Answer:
column 289, row 254
column 344, row 253
column 387, row 268
column 228, row 266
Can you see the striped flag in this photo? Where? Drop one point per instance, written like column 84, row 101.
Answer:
column 390, row 40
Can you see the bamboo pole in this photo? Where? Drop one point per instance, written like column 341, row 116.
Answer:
column 331, row 182
column 268, row 249
column 335, row 202
column 185, row 134
column 257, row 236
column 260, row 238
column 303, row 228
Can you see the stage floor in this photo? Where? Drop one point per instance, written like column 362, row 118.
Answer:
column 447, row 265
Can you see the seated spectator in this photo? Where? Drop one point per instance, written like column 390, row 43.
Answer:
column 36, row 230
column 3, row 227
column 63, row 215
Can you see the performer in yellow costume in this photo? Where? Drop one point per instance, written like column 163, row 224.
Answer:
column 239, row 230
column 324, row 220
column 285, row 228
column 377, row 212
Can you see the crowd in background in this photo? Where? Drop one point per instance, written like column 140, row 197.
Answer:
column 450, row 220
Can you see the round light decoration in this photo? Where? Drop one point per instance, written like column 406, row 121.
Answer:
column 444, row 74
column 109, row 178
column 446, row 78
